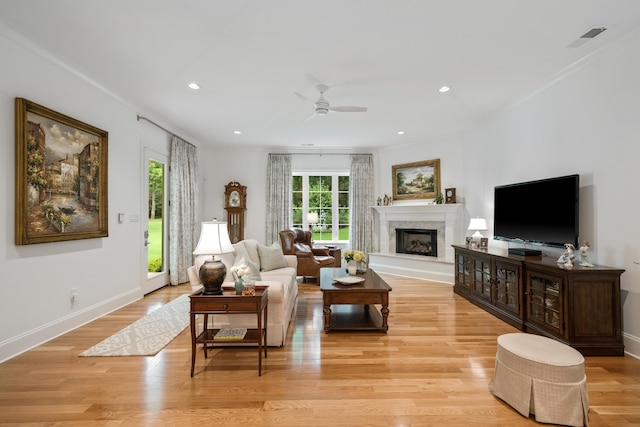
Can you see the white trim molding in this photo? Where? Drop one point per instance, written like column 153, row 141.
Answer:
column 31, row 339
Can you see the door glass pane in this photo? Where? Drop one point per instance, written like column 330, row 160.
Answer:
column 155, row 240
column 297, row 201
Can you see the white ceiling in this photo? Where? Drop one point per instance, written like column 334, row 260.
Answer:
column 250, row 56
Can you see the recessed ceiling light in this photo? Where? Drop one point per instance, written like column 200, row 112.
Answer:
column 400, row 132
column 237, row 132
column 194, row 86
column 444, row 89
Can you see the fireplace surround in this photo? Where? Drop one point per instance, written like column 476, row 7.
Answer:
column 446, row 219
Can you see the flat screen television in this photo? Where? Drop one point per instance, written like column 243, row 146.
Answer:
column 543, row 212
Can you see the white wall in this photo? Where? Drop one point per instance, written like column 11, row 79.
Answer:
column 248, row 166
column 447, row 149
column 36, row 280
column 587, row 123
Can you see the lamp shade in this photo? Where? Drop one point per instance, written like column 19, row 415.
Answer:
column 478, row 224
column 312, row 217
column 214, row 239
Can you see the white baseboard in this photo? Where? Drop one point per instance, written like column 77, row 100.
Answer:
column 631, row 345
column 19, row 344
column 414, row 266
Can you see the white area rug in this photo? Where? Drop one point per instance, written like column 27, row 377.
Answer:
column 149, row 335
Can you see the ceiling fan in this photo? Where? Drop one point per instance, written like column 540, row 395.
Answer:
column 322, row 106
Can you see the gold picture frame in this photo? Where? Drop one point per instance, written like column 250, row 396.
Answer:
column 61, row 177
column 418, row 180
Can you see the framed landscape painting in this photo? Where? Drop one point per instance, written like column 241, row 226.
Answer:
column 61, row 177
column 418, row 180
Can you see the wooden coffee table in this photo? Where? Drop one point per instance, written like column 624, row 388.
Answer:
column 353, row 305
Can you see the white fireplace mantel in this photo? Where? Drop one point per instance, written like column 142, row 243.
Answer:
column 450, row 218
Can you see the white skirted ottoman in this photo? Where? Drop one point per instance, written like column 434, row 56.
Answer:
column 537, row 375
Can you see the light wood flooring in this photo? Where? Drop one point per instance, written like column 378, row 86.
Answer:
column 432, row 368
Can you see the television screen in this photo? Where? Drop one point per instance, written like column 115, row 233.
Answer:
column 541, row 212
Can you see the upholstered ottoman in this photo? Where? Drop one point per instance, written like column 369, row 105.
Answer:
column 540, row 376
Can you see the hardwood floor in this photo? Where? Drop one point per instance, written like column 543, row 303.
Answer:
column 431, row 369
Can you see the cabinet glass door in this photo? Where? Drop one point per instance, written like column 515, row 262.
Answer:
column 507, row 289
column 482, row 277
column 463, row 272
column 544, row 302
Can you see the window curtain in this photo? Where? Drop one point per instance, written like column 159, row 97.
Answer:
column 278, row 196
column 361, row 195
column 183, row 209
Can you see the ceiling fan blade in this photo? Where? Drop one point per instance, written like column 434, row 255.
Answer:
column 349, row 109
column 310, row 116
column 304, row 98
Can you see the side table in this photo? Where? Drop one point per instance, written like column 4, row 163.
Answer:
column 337, row 254
column 229, row 303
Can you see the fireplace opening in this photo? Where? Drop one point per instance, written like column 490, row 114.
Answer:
column 416, row 241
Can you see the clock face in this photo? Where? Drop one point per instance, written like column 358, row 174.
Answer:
column 234, row 199
column 449, row 193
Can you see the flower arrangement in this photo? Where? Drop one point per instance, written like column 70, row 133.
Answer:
column 357, row 256
column 240, row 271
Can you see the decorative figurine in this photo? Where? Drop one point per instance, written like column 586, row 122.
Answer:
column 565, row 259
column 571, row 249
column 583, row 255
column 379, row 201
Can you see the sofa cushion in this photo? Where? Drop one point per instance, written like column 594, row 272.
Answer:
column 271, row 257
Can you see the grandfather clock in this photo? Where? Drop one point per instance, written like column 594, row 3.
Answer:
column 235, row 203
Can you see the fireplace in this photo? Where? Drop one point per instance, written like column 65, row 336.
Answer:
column 417, row 241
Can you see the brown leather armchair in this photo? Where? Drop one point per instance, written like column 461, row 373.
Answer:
column 310, row 259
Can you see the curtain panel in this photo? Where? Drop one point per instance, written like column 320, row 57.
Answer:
column 184, row 196
column 278, row 196
column 361, row 193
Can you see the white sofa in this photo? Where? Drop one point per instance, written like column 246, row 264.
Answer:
column 282, row 282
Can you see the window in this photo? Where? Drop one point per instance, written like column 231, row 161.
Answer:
column 327, row 196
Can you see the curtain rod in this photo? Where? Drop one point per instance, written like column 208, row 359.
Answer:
column 158, row 126
column 321, row 154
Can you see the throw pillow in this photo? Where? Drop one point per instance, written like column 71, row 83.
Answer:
column 255, row 270
column 241, row 251
column 271, row 257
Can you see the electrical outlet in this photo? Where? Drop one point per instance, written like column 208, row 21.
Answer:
column 74, row 294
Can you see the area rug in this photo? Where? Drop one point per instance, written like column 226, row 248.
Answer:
column 148, row 335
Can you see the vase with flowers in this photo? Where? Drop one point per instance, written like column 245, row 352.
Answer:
column 355, row 261
column 240, row 272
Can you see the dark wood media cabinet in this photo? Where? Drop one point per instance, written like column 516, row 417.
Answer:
column 580, row 307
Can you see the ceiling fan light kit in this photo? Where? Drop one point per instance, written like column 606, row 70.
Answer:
column 322, row 106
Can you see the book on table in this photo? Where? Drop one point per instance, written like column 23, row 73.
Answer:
column 229, row 334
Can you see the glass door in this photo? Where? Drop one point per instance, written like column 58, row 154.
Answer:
column 155, row 228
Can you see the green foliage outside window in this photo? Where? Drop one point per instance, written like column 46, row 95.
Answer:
column 320, row 196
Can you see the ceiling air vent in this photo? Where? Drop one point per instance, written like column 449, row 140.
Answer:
column 587, row 36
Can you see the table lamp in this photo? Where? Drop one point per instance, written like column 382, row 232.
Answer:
column 478, row 224
column 214, row 240
column 312, row 218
